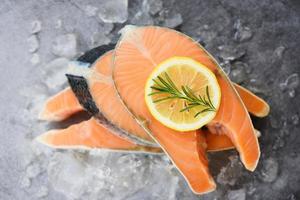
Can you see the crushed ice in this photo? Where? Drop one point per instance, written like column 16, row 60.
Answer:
column 35, row 59
column 36, row 26
column 33, row 43
column 99, row 38
column 270, row 170
column 237, row 194
column 54, row 73
column 230, row 173
column 230, row 53
column 91, row 10
column 154, row 6
column 243, row 33
column 65, row 45
column 101, row 174
column 113, row 11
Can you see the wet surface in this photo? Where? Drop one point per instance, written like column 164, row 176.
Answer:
column 256, row 42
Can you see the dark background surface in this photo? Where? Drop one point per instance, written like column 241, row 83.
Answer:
column 257, row 43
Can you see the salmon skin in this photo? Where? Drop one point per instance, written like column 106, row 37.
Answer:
column 79, row 84
column 80, row 88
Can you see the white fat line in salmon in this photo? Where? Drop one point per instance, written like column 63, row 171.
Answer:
column 83, row 69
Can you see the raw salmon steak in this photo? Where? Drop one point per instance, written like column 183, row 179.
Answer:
column 139, row 50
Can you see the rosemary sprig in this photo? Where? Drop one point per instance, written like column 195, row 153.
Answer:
column 167, row 86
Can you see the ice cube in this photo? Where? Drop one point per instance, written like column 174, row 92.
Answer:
column 243, row 65
column 281, row 182
column 33, row 43
column 33, row 170
column 98, row 39
column 103, row 175
column 257, row 86
column 295, row 119
column 113, row 11
column 67, row 174
column 238, row 75
column 292, row 197
column 205, row 34
column 25, row 182
column 55, row 71
column 226, row 66
column 142, row 18
column 91, row 10
column 154, row 6
column 278, row 52
column 243, row 33
column 270, row 170
column 35, row 59
column 173, row 21
column 65, row 45
column 237, row 194
column 230, row 53
column 292, row 81
column 36, row 26
column 292, row 93
column 231, row 172
column 58, row 24
column 42, row 192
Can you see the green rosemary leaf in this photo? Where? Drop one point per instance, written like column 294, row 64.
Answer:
column 202, row 111
column 154, row 93
column 164, row 82
column 189, row 107
column 157, row 83
column 163, row 99
column 171, row 82
column 167, row 86
column 207, row 93
column 159, row 89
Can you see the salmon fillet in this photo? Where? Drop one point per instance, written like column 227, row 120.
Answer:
column 136, row 54
column 64, row 104
column 60, row 106
column 91, row 134
column 106, row 98
column 254, row 104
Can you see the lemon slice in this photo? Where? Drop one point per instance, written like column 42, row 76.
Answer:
column 182, row 94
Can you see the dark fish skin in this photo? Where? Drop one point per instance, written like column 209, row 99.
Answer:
column 81, row 90
column 79, row 84
column 92, row 55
